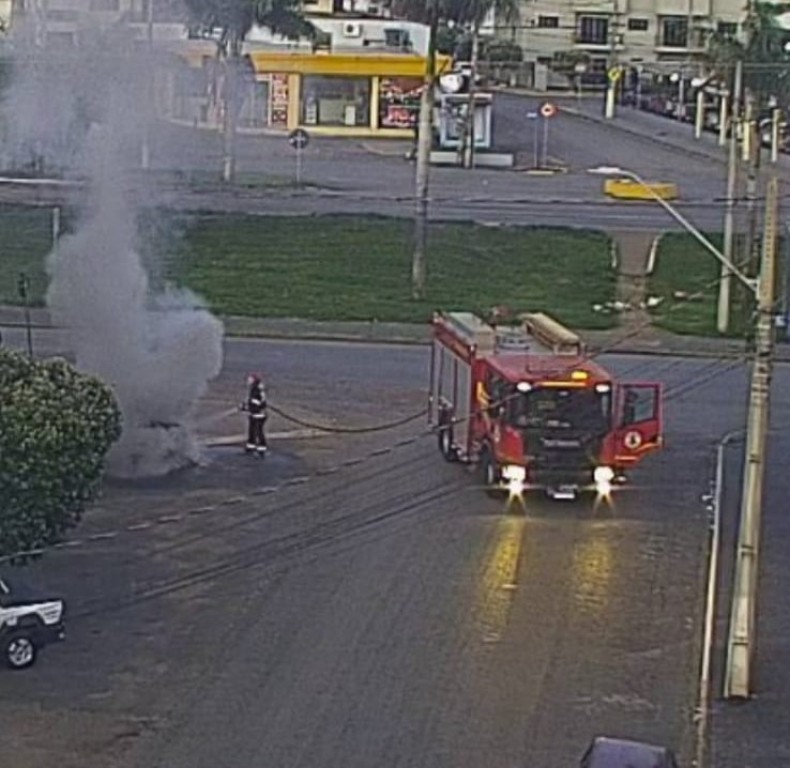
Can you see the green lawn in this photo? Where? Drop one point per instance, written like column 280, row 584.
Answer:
column 354, row 268
column 25, row 240
column 358, row 268
column 685, row 266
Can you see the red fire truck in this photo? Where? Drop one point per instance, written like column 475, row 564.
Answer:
column 533, row 411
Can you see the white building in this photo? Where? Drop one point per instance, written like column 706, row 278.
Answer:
column 626, row 31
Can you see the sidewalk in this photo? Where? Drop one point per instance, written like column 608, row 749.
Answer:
column 671, row 133
column 650, row 341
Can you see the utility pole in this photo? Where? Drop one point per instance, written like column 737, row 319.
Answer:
column 752, row 154
column 468, row 141
column 424, row 143
column 742, row 629
column 145, row 160
column 725, row 282
column 613, row 73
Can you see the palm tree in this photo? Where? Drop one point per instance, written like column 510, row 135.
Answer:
column 234, row 19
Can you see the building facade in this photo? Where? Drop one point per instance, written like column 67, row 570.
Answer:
column 361, row 77
column 626, row 32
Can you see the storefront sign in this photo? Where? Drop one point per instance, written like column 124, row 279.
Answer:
column 399, row 102
column 279, row 99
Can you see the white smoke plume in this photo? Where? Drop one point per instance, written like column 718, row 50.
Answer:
column 158, row 351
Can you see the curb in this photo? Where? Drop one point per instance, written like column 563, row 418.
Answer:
column 419, row 335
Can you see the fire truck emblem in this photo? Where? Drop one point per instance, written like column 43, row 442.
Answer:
column 632, row 440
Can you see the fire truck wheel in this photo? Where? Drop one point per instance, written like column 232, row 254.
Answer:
column 446, row 447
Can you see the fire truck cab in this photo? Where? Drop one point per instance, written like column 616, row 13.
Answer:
column 533, row 411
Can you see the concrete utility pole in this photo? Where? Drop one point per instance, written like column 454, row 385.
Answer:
column 145, row 160
column 725, row 283
column 742, row 629
column 468, row 141
column 612, row 74
column 424, row 143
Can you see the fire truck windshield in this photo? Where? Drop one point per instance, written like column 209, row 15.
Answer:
column 582, row 409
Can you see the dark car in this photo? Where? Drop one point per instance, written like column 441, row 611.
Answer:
column 28, row 622
column 605, row 752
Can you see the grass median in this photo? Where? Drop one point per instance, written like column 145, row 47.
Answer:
column 358, row 267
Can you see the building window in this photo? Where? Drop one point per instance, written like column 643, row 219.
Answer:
column 638, row 25
column 549, row 22
column 593, row 30
column 335, row 100
column 674, row 31
column 727, row 29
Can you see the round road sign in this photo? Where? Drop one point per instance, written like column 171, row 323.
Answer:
column 548, row 110
column 632, row 440
column 614, row 74
column 299, row 138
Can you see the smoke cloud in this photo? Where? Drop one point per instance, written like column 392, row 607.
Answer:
column 157, row 350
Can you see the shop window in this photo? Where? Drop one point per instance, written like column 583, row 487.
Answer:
column 399, row 102
column 343, row 101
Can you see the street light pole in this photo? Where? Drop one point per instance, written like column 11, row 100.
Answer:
column 723, row 306
column 741, row 635
column 681, row 219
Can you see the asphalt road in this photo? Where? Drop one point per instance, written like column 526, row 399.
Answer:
column 388, row 613
column 350, row 179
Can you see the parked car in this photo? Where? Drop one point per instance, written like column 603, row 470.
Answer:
column 605, row 752
column 28, row 622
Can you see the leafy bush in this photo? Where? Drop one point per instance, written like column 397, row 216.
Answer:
column 56, row 426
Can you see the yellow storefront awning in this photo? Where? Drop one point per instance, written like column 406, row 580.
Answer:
column 348, row 64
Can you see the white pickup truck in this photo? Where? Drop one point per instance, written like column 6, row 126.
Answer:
column 27, row 623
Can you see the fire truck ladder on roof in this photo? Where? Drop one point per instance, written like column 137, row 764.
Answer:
column 558, row 339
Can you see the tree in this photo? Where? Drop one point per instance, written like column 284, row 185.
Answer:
column 473, row 13
column 233, row 19
column 765, row 61
column 469, row 15
column 56, row 426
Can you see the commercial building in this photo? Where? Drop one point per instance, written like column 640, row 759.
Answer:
column 362, row 76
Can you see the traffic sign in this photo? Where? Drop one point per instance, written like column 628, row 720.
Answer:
column 548, row 110
column 299, row 138
column 614, row 74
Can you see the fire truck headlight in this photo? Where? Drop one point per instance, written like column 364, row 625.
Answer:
column 514, row 472
column 603, row 477
column 515, row 477
column 523, row 386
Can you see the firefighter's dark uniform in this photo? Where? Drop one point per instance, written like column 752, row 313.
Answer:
column 256, row 418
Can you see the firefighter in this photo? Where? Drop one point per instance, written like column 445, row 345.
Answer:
column 256, row 415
